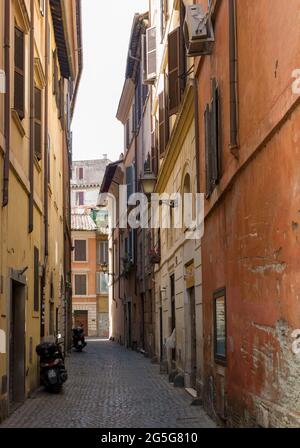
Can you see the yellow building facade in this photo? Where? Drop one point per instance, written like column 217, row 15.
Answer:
column 178, row 282
column 39, row 43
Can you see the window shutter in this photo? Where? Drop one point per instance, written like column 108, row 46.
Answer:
column 36, row 304
column 215, row 134
column 207, row 151
column 174, row 67
column 80, row 285
column 151, row 54
column 98, row 282
column 154, row 155
column 19, row 82
column 182, row 57
column 38, row 123
column 80, row 250
column 104, row 255
column 62, row 101
column 162, row 125
column 130, row 180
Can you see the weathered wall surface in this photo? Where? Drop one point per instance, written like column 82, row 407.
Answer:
column 251, row 239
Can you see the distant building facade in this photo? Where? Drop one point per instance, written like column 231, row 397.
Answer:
column 90, row 249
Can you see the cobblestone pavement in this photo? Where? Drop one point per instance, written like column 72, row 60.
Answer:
column 111, row 387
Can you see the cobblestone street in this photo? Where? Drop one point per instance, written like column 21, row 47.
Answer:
column 111, row 387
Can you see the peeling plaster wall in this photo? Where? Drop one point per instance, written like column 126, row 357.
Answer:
column 254, row 252
column 251, row 239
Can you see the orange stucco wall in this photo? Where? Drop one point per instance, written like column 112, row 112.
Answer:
column 251, row 239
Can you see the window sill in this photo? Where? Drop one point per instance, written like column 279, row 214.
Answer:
column 18, row 123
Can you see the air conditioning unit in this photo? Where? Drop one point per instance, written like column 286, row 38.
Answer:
column 198, row 31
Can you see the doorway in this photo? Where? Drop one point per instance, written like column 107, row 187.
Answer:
column 17, row 345
column 173, row 313
column 81, row 319
column 192, row 336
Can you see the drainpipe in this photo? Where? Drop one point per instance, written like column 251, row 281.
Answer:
column 7, row 97
column 233, row 78
column 46, row 149
column 32, row 113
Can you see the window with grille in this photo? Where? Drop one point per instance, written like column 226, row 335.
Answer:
column 80, row 250
column 80, row 284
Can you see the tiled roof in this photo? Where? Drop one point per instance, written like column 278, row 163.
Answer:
column 82, row 222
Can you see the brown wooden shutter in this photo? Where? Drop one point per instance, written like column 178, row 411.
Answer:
column 174, row 67
column 154, row 152
column 61, row 112
column 80, row 285
column 80, row 250
column 215, row 134
column 19, row 82
column 162, row 136
column 36, row 293
column 182, row 57
column 167, row 115
column 207, row 151
column 38, row 123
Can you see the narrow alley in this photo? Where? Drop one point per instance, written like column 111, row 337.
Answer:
column 111, row 387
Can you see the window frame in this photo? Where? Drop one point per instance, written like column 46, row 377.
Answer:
column 38, row 121
column 98, row 283
column 20, row 72
column 77, row 195
column 218, row 294
column 86, row 251
column 82, row 274
column 100, row 250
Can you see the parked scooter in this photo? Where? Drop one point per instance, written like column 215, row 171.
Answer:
column 53, row 371
column 79, row 339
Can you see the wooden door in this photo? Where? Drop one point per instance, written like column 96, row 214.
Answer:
column 81, row 319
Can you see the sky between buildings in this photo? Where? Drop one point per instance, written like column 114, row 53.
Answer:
column 106, row 31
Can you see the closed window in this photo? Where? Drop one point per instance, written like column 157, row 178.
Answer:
column 80, row 198
column 213, row 140
column 19, row 81
column 102, row 252
column 102, row 283
column 80, row 173
column 80, row 285
column 220, row 332
column 80, row 250
column 36, row 293
column 38, row 123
